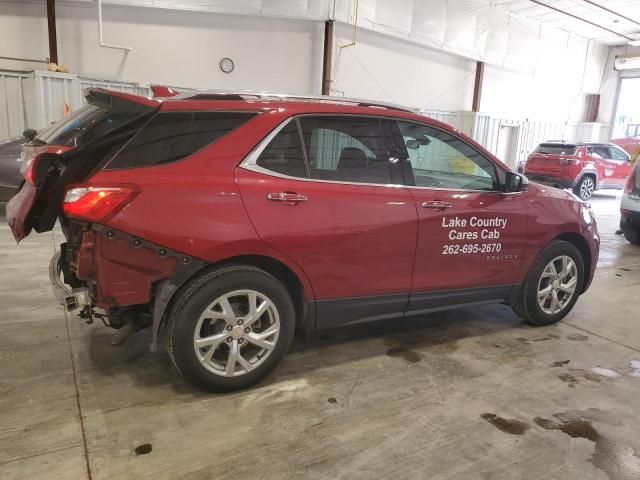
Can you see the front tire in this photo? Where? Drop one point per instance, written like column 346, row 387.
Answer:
column 585, row 187
column 552, row 286
column 230, row 328
column 632, row 234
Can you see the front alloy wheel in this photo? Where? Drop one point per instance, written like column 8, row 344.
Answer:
column 557, row 284
column 552, row 286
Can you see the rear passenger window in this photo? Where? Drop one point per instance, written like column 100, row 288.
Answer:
column 284, row 153
column 171, row 136
column 600, row 152
column 346, row 148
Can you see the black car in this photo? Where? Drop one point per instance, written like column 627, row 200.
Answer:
column 10, row 178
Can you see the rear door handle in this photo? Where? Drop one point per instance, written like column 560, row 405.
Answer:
column 436, row 205
column 288, row 198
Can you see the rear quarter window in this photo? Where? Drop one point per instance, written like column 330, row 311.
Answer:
column 172, row 136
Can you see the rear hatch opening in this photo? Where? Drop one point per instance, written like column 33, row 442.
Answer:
column 551, row 158
column 69, row 151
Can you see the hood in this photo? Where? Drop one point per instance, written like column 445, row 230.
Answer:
column 553, row 192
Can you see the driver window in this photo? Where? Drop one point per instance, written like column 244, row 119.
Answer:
column 440, row 160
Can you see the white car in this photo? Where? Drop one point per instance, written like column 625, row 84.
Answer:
column 630, row 207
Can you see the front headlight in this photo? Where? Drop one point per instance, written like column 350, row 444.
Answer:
column 587, row 213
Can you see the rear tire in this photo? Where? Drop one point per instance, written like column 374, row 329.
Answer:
column 632, row 234
column 544, row 298
column 217, row 341
column 585, row 187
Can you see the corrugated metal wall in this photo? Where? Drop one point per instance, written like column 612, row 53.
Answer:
column 13, row 116
column 126, row 87
column 486, row 130
column 37, row 99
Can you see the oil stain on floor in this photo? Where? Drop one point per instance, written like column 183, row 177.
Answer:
column 404, row 353
column 512, row 426
column 619, row 461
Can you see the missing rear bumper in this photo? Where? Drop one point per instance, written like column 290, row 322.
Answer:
column 70, row 298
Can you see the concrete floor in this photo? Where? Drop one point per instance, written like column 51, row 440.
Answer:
column 466, row 394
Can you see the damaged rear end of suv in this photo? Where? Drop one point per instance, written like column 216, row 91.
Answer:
column 85, row 170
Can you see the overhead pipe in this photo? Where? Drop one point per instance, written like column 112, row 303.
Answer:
column 618, row 34
column 355, row 26
column 100, row 41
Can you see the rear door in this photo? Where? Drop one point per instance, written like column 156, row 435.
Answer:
column 471, row 235
column 322, row 191
column 67, row 152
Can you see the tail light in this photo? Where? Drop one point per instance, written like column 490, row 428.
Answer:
column 95, row 203
column 33, row 166
column 631, row 183
column 568, row 161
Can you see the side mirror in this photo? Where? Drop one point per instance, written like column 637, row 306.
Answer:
column 412, row 144
column 29, row 133
column 515, row 182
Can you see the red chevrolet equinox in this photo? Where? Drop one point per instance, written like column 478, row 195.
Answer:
column 584, row 167
column 225, row 221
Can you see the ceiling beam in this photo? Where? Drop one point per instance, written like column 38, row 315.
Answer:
column 618, row 34
column 607, row 9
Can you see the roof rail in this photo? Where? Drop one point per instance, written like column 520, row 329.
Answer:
column 249, row 95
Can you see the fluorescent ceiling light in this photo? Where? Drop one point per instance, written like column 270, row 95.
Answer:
column 635, row 43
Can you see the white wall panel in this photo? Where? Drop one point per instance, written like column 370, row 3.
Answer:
column 12, row 109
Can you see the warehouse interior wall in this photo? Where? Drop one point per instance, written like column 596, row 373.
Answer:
column 183, row 48
column 174, row 47
column 394, row 70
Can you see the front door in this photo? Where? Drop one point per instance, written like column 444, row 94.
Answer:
column 324, row 193
column 614, row 163
column 471, row 236
column 623, row 166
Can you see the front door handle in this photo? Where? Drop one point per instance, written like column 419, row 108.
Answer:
column 436, row 205
column 288, row 198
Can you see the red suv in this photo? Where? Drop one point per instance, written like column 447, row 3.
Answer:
column 584, row 167
column 225, row 221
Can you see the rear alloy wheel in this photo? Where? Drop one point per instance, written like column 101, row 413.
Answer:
column 632, row 235
column 236, row 333
column 552, row 286
column 230, row 328
column 585, row 187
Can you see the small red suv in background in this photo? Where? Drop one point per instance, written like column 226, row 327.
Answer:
column 227, row 220
column 583, row 167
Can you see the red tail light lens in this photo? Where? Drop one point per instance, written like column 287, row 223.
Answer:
column 631, row 182
column 568, row 161
column 96, row 203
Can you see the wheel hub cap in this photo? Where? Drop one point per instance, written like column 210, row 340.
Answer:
column 237, row 332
